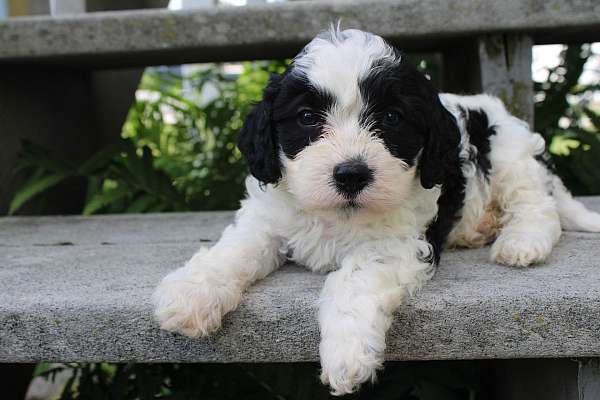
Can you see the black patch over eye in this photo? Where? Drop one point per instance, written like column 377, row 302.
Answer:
column 396, row 111
column 307, row 118
column 391, row 117
column 298, row 114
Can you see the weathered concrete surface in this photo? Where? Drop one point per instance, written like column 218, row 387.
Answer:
column 137, row 38
column 78, row 289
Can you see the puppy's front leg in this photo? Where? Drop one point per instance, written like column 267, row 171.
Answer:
column 193, row 299
column 356, row 308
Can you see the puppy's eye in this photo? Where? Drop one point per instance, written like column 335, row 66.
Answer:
column 307, row 118
column 391, row 117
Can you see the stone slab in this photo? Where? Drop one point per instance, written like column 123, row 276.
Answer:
column 78, row 289
column 148, row 37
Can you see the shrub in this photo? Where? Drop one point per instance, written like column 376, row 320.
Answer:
column 175, row 154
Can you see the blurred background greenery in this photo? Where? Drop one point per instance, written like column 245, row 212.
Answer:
column 177, row 150
column 177, row 153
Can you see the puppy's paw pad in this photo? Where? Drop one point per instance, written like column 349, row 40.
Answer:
column 193, row 305
column 521, row 250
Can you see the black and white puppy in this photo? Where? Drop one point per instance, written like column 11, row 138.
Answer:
column 362, row 169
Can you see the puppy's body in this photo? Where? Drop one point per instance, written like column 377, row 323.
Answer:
column 362, row 170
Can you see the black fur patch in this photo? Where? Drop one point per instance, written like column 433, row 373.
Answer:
column 258, row 141
column 392, row 87
column 480, row 131
column 452, row 195
column 450, row 203
column 298, row 94
column 425, row 128
column 273, row 124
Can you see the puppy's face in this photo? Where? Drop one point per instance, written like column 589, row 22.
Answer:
column 349, row 126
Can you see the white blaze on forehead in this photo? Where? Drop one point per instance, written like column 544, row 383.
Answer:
column 336, row 61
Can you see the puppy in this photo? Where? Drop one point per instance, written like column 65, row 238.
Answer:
column 360, row 168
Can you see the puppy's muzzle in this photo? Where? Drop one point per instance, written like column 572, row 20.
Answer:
column 351, row 177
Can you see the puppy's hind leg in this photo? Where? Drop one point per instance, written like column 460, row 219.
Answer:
column 531, row 223
column 193, row 299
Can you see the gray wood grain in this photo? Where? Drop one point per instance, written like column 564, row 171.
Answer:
column 139, row 38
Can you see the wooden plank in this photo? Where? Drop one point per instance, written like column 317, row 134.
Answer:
column 505, row 65
column 138, row 38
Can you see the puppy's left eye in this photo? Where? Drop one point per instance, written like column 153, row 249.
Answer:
column 391, row 117
column 307, row 118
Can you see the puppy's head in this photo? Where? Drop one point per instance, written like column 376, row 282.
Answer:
column 349, row 125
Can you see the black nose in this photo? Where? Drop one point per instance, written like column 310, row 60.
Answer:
column 351, row 177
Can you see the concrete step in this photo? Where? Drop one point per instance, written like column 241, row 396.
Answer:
column 78, row 289
column 149, row 37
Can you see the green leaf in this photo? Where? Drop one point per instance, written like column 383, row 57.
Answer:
column 100, row 160
column 104, row 199
column 34, row 186
column 593, row 116
column 141, row 204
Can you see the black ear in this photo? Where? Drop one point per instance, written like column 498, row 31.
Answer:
column 258, row 139
column 440, row 155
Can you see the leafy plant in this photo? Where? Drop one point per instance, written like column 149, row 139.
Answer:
column 565, row 117
column 176, row 154
column 121, row 178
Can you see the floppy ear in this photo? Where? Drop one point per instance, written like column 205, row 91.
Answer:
column 440, row 153
column 258, row 140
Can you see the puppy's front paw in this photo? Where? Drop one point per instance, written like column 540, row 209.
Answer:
column 521, row 250
column 192, row 302
column 348, row 363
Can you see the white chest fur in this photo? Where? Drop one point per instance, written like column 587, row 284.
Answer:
column 320, row 240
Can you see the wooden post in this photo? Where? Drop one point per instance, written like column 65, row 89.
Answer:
column 15, row 380
column 496, row 64
column 548, row 379
column 505, row 62
column 589, row 379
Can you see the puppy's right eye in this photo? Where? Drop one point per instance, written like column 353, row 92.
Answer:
column 391, row 118
column 307, row 118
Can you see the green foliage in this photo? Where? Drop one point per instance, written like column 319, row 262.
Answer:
column 175, row 154
column 564, row 116
column 193, row 141
column 121, row 178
